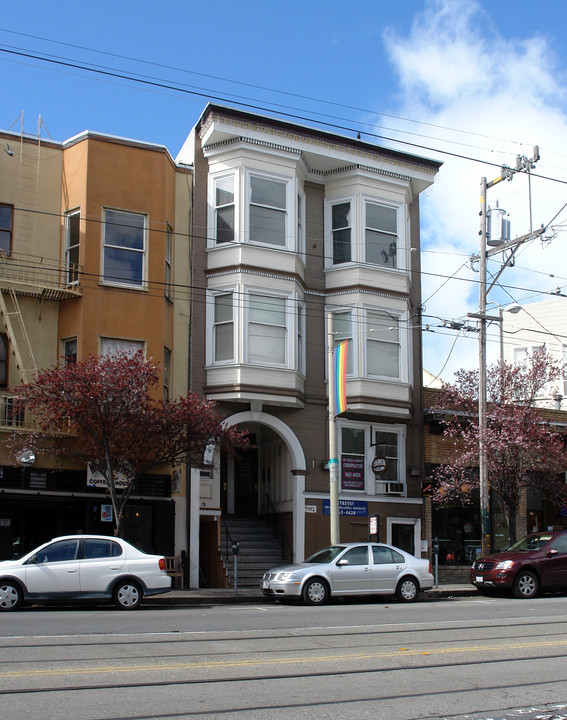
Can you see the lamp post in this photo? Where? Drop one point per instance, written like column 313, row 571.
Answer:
column 514, row 309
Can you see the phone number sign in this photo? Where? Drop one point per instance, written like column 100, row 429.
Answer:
column 352, row 472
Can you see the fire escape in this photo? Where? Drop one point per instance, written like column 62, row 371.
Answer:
column 29, row 275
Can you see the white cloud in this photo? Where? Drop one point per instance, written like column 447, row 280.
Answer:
column 503, row 95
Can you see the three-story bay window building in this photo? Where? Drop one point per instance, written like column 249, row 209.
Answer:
column 296, row 224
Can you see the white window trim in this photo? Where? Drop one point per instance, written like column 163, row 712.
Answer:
column 169, row 261
column 355, row 335
column 301, row 357
column 233, row 173
column 403, row 344
column 290, row 326
column 124, row 342
column 290, row 209
column 300, row 219
column 401, row 244
column 370, row 480
column 210, row 316
column 144, row 252
column 68, row 215
column 328, row 222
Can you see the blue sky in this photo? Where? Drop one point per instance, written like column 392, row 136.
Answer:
column 486, row 80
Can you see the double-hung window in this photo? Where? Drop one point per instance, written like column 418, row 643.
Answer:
column 386, row 447
column 381, row 234
column 166, row 373
column 72, row 239
column 223, row 328
column 301, row 338
column 6, row 227
column 224, row 209
column 343, row 330
column 124, row 248
column 117, row 346
column 267, row 329
column 70, row 351
column 341, row 230
column 168, row 260
column 382, row 344
column 268, row 211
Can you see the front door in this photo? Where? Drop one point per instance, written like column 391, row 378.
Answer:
column 403, row 537
column 246, row 483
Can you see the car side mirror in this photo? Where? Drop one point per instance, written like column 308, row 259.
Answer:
column 552, row 552
column 342, row 562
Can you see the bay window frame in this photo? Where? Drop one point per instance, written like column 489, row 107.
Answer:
column 141, row 252
column 290, row 211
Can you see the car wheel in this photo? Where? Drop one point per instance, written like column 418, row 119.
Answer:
column 11, row 596
column 526, row 585
column 315, row 592
column 407, row 590
column 127, row 595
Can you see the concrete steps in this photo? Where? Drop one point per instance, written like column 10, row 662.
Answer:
column 259, row 549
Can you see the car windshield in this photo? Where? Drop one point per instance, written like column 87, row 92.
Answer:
column 326, row 555
column 531, row 542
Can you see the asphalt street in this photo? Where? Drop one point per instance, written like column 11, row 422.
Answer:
column 461, row 657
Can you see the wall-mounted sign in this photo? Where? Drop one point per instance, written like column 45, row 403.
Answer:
column 311, row 508
column 106, row 513
column 96, row 479
column 378, row 465
column 348, row 507
column 352, row 472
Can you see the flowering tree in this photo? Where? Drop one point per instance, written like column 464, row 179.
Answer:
column 522, row 450
column 101, row 411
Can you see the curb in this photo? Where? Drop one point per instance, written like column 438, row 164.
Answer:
column 245, row 596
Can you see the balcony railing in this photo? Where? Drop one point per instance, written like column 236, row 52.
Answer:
column 39, row 276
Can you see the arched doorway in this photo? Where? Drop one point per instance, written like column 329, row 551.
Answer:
column 262, row 479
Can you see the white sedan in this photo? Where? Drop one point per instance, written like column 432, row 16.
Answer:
column 350, row 569
column 83, row 567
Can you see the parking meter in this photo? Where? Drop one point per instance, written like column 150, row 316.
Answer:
column 235, row 551
column 435, row 551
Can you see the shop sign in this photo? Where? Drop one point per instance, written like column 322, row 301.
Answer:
column 352, row 472
column 311, row 508
column 97, row 479
column 106, row 513
column 348, row 507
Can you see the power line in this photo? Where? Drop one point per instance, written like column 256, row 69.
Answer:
column 251, row 106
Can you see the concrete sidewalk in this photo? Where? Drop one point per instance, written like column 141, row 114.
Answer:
column 226, row 596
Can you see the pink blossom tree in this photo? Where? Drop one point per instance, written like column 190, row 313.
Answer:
column 522, row 449
column 103, row 411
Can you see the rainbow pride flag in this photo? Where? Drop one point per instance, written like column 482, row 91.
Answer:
column 340, row 364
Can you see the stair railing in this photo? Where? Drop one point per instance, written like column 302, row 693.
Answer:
column 273, row 518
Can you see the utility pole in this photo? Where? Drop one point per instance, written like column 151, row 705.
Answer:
column 333, row 460
column 506, row 173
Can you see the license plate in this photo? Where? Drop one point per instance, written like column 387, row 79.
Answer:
column 479, row 579
column 265, row 584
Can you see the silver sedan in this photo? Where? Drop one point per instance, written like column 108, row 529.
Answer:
column 350, row 569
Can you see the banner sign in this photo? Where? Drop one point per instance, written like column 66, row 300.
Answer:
column 348, row 507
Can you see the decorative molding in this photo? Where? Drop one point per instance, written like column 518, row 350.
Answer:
column 319, row 145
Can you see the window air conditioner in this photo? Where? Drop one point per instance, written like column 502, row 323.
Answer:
column 394, row 488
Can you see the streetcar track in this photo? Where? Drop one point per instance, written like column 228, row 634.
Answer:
column 263, row 651
column 296, row 676
column 173, row 636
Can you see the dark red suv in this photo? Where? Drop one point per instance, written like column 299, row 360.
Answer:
column 536, row 562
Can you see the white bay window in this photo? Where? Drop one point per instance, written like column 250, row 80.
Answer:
column 382, row 344
column 267, row 329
